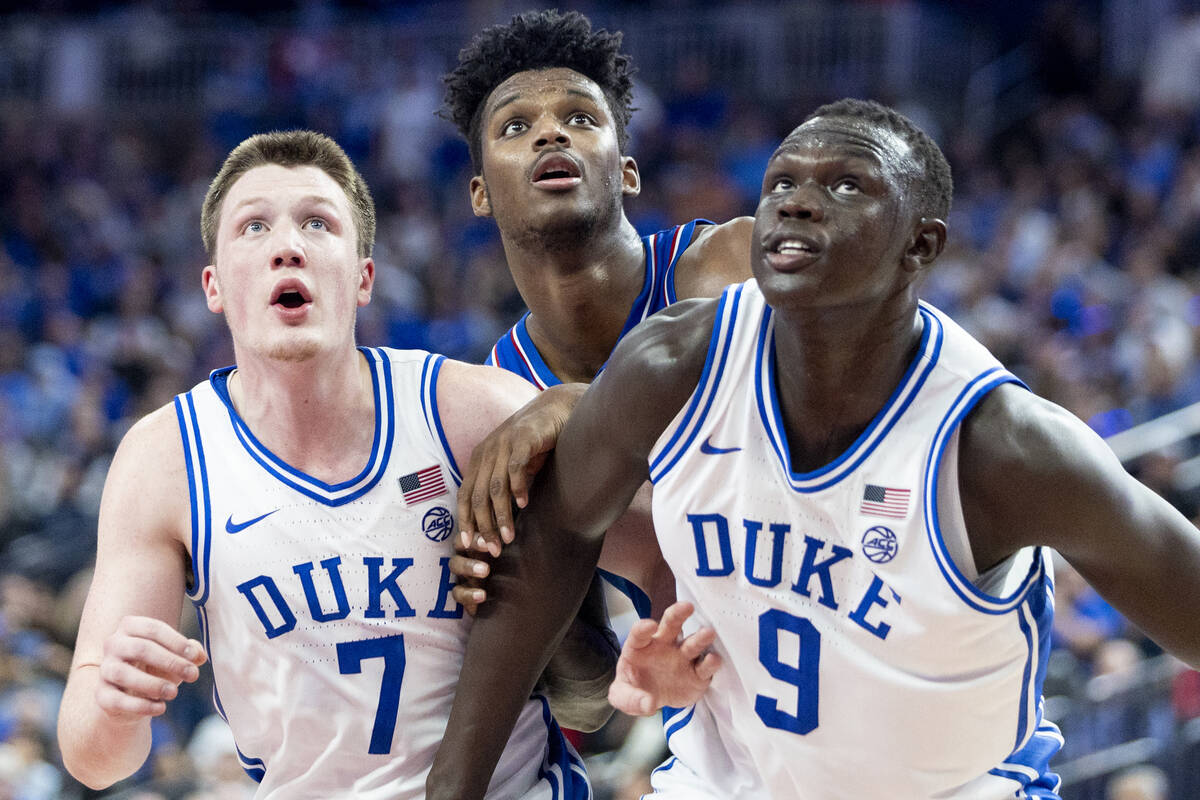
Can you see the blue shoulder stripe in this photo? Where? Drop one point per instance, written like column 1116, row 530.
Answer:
column 967, row 399
column 433, row 418
column 706, row 389
column 199, row 501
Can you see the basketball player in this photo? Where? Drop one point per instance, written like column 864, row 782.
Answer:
column 302, row 501
column 543, row 103
column 853, row 492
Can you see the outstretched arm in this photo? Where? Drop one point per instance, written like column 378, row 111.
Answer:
column 129, row 657
column 538, row 581
column 1031, row 473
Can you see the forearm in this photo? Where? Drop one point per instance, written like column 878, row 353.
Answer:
column 97, row 749
column 537, row 586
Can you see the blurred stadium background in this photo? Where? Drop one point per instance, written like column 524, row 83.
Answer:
column 1073, row 130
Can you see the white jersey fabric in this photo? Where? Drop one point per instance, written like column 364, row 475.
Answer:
column 860, row 661
column 326, row 609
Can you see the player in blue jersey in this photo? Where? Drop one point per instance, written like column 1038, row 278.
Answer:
column 302, row 500
column 543, row 103
column 854, row 494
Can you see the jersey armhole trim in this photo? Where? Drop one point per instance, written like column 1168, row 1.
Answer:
column 706, row 389
column 966, row 590
column 198, row 499
column 433, row 420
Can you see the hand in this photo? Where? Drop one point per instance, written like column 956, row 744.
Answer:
column 656, row 669
column 504, row 464
column 145, row 660
column 469, row 568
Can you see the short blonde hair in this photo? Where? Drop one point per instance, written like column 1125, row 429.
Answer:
column 291, row 149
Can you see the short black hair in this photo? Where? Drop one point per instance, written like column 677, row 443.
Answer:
column 936, row 186
column 537, row 40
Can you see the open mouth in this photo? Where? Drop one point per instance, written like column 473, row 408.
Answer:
column 787, row 246
column 555, row 166
column 290, row 300
column 290, row 294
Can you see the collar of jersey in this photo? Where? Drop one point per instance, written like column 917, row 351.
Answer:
column 335, row 494
column 901, row 398
column 541, row 375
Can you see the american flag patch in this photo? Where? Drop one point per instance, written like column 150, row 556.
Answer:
column 880, row 501
column 423, row 485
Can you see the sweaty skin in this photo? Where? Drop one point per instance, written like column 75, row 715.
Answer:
column 838, row 247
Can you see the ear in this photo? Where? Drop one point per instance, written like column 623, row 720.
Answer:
column 212, row 289
column 929, row 238
column 366, row 281
column 481, row 203
column 631, row 179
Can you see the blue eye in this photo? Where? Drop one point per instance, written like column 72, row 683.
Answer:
column 317, row 224
column 254, row 227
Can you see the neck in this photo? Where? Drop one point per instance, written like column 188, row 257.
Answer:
column 578, row 295
column 311, row 413
column 840, row 366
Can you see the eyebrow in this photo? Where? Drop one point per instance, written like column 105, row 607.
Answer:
column 315, row 199
column 512, row 98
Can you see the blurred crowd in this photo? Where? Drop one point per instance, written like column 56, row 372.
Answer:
column 1074, row 255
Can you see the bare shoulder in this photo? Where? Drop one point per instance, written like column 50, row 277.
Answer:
column 1032, row 473
column 718, row 256
column 473, row 399
column 477, row 389
column 147, row 483
column 1031, row 440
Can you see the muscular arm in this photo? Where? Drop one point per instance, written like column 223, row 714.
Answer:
column 718, row 256
column 1031, row 473
column 539, row 580
column 129, row 657
column 472, row 401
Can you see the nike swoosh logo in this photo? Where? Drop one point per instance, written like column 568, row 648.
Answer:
column 236, row 527
column 708, row 448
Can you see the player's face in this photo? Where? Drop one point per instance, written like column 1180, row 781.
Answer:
column 551, row 163
column 833, row 221
column 287, row 274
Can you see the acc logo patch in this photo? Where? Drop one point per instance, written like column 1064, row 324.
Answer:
column 879, row 544
column 437, row 524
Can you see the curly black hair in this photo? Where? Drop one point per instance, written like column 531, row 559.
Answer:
column 537, row 40
column 936, row 186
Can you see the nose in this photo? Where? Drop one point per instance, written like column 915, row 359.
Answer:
column 289, row 252
column 550, row 131
column 805, row 201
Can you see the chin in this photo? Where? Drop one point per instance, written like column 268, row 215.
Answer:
column 293, row 351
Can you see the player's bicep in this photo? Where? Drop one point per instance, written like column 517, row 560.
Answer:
column 141, row 562
column 472, row 400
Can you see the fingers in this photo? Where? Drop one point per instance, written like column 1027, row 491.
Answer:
column 630, row 700
column 673, row 619
column 143, row 664
column 641, row 634
column 500, row 498
column 708, row 666
column 468, row 597
column 694, row 646
column 468, row 569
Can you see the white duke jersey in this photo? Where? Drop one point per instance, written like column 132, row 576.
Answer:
column 326, row 608
column 860, row 660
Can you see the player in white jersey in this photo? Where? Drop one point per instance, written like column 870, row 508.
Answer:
column 853, row 493
column 302, row 501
